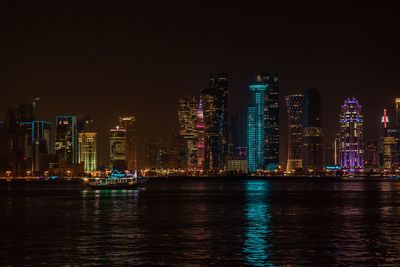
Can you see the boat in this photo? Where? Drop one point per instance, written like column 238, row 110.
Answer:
column 117, row 180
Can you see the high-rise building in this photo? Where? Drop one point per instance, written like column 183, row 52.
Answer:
column 271, row 121
column 3, row 148
column 66, row 145
column 388, row 145
column 397, row 101
column 87, row 150
column 256, row 126
column 215, row 104
column 351, row 137
column 18, row 142
column 371, row 156
column 129, row 124
column 34, row 140
column 294, row 105
column 200, row 135
column 187, row 114
column 395, row 149
column 156, row 155
column 312, row 149
column 118, row 148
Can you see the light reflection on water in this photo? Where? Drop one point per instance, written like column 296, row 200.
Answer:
column 257, row 246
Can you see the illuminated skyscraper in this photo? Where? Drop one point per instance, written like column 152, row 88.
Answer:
column 397, row 113
column 271, row 121
column 200, row 135
column 66, row 145
column 256, row 126
column 187, row 114
column 312, row 149
column 87, row 147
column 129, row 124
column 118, row 148
column 351, row 137
column 387, row 145
column 294, row 105
column 215, row 104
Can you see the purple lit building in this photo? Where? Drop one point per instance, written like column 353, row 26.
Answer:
column 351, row 137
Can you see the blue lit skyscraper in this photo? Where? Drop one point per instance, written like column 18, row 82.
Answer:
column 256, row 125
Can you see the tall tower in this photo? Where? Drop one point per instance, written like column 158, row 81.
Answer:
column 66, row 145
column 387, row 143
column 200, row 135
column 215, row 104
column 118, row 148
column 397, row 112
column 351, row 137
column 187, row 114
column 256, row 126
column 271, row 121
column 312, row 150
column 294, row 105
column 87, row 147
column 129, row 124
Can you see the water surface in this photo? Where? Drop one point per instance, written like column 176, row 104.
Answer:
column 203, row 222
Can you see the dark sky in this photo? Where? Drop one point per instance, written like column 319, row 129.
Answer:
column 109, row 58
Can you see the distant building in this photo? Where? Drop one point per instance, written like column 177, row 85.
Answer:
column 272, row 135
column 187, row 114
column 294, row 105
column 66, row 146
column 397, row 102
column 351, row 137
column 35, row 139
column 256, row 126
column 118, row 148
column 371, row 156
column 237, row 162
column 312, row 148
column 129, row 124
column 215, row 104
column 156, row 154
column 388, row 146
column 87, row 150
column 200, row 128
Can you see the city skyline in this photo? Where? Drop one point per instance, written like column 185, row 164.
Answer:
column 145, row 60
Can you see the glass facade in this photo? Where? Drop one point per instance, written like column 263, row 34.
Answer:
column 187, row 114
column 271, row 122
column 294, row 105
column 312, row 149
column 256, row 126
column 215, row 104
column 129, row 124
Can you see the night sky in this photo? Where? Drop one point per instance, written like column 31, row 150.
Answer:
column 110, row 58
